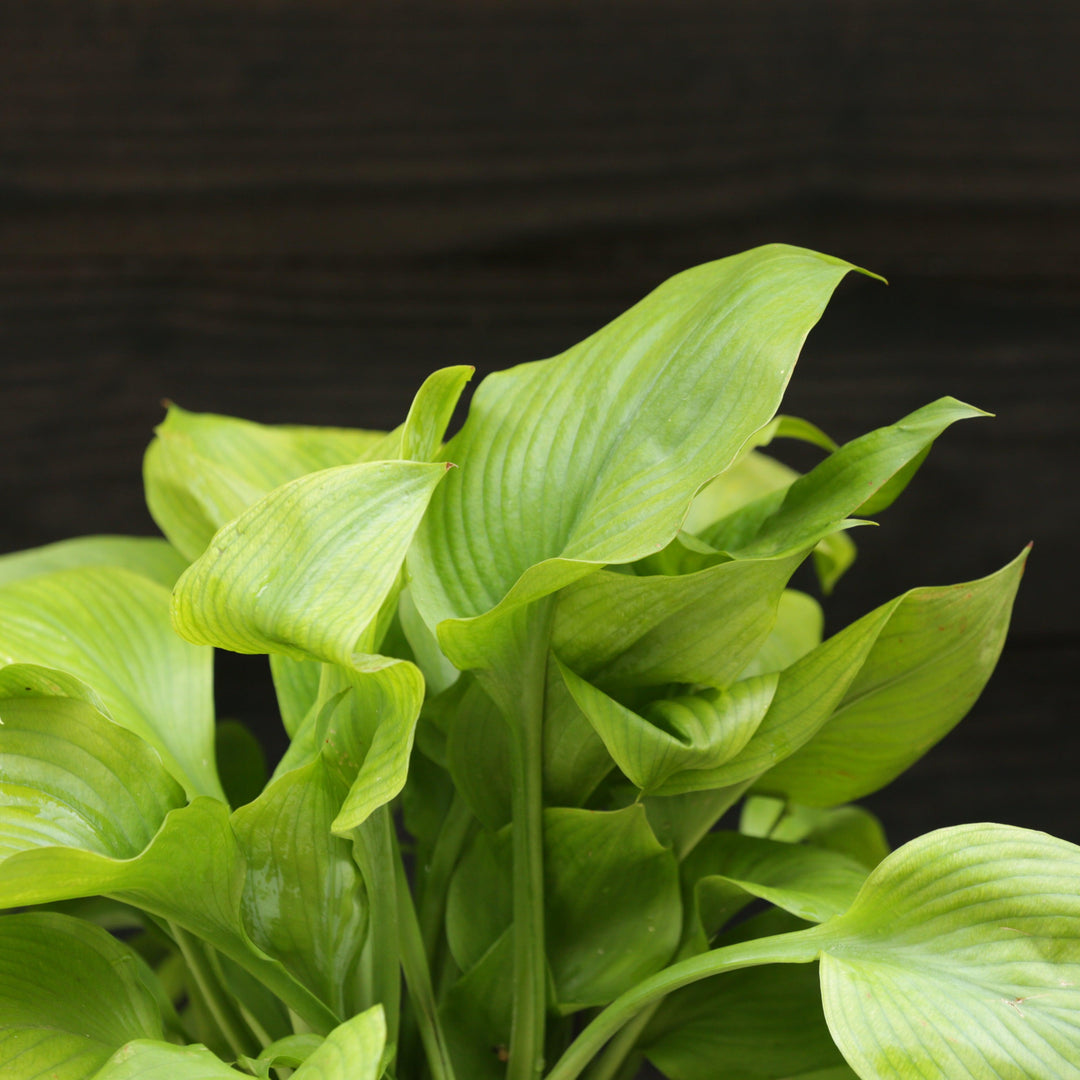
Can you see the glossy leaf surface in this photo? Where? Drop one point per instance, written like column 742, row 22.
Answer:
column 70, row 994
column 110, row 629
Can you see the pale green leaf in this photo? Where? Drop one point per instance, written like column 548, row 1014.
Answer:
column 203, row 470
column 363, row 726
column 110, row 629
column 593, row 457
column 70, row 994
column 960, row 960
column 33, row 680
column 797, row 631
column 430, row 413
column 929, row 662
column 71, row 777
column 306, row 569
column 150, row 557
column 296, row 683
column 727, row 869
column 352, row 1051
column 143, row 1059
column 851, row 830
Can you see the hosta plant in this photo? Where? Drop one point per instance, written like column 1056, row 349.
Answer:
column 570, row 763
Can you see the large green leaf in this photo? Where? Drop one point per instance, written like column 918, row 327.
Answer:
column 70, row 994
column 150, row 557
column 929, row 662
column 203, row 470
column 758, row 1024
column 304, row 900
column 109, row 628
column 305, row 570
column 960, row 960
column 593, row 457
column 88, row 809
column 144, row 1059
column 611, row 898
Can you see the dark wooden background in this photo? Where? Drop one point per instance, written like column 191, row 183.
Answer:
column 293, row 211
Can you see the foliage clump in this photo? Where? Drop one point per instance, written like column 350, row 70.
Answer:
column 520, row 693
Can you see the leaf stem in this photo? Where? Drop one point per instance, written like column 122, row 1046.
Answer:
column 373, row 849
column 526, row 1061
column 800, row 947
column 433, row 879
column 229, row 1022
column 418, row 981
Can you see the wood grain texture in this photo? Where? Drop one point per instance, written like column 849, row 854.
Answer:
column 293, row 211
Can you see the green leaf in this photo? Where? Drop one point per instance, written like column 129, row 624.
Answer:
column 727, row 869
column 797, row 631
column 352, row 1051
column 72, row 777
column 851, row 830
column 928, row 663
column 146, row 1060
column 152, row 558
column 678, row 743
column 621, row 630
column 289, row 1051
column 613, row 913
column 960, row 960
column 864, row 476
column 758, row 1024
column 306, row 569
column 88, row 809
column 593, row 457
column 203, row 470
column 110, row 629
column 304, row 900
column 430, row 413
column 476, row 1014
column 70, row 994
column 363, row 726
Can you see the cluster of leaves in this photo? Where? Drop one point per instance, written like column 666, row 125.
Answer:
column 520, row 693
